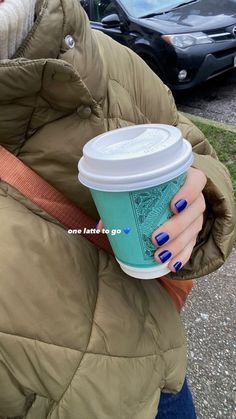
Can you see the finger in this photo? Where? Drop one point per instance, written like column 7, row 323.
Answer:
column 100, row 225
column 193, row 186
column 174, row 247
column 182, row 258
column 177, row 224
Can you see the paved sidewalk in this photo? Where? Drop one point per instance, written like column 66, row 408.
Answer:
column 209, row 317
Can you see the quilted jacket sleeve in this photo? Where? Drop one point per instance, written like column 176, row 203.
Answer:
column 216, row 239
column 12, row 399
column 156, row 103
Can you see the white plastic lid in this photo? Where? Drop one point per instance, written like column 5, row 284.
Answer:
column 135, row 157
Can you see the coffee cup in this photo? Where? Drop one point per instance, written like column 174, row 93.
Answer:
column 133, row 173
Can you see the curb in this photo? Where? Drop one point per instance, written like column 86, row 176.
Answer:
column 211, row 122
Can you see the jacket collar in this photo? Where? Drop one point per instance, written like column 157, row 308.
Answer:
column 46, row 79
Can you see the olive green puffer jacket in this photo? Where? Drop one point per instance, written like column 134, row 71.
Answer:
column 78, row 338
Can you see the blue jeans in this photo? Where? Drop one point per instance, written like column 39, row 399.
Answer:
column 177, row 406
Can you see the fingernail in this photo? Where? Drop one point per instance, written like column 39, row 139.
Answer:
column 162, row 238
column 165, row 255
column 181, row 205
column 178, row 266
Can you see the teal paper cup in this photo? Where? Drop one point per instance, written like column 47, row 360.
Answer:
column 133, row 174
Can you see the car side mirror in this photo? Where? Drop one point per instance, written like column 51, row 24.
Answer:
column 111, row 21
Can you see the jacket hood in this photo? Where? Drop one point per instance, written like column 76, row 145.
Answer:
column 48, row 79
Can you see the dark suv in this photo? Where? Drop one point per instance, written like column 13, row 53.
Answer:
column 184, row 42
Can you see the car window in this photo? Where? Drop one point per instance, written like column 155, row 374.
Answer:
column 102, row 8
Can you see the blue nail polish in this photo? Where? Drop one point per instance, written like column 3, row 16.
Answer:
column 165, row 255
column 162, row 238
column 181, row 205
column 178, row 266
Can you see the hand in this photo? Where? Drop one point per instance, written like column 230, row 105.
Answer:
column 177, row 236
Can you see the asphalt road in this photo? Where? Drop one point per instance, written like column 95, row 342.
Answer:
column 215, row 99
column 209, row 317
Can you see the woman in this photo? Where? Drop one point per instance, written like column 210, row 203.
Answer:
column 78, row 338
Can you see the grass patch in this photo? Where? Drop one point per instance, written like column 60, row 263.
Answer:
column 224, row 142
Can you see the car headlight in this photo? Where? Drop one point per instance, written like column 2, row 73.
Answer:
column 186, row 40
